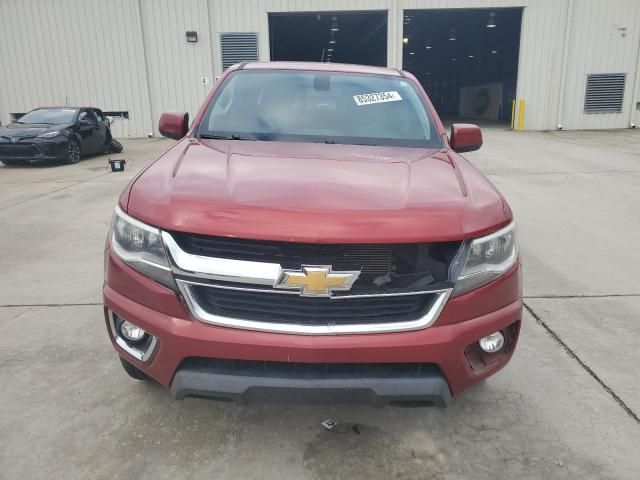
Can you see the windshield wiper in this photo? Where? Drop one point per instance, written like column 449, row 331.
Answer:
column 225, row 137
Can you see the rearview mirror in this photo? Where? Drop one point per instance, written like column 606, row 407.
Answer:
column 174, row 124
column 465, row 137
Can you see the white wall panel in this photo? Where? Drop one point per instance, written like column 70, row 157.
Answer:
column 252, row 16
column 540, row 53
column 605, row 37
column 175, row 67
column 74, row 52
column 132, row 54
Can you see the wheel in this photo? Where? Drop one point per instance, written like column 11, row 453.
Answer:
column 115, row 146
column 132, row 371
column 73, row 151
column 13, row 163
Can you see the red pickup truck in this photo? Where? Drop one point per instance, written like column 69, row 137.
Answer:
column 315, row 235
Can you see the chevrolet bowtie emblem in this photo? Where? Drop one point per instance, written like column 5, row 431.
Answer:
column 316, row 280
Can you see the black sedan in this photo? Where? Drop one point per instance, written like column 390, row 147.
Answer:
column 60, row 133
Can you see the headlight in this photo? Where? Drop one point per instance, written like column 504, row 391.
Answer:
column 140, row 246
column 50, row 134
column 487, row 258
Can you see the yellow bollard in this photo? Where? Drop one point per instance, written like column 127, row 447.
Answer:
column 521, row 116
column 513, row 113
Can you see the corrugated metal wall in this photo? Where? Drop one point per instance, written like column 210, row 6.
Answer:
column 252, row 16
column 176, row 68
column 540, row 53
column 74, row 52
column 604, row 37
column 132, row 54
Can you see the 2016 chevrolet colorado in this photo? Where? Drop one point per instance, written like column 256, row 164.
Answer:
column 314, row 234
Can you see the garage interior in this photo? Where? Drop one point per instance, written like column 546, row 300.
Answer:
column 466, row 59
column 351, row 37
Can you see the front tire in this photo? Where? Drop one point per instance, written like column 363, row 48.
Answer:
column 115, row 146
column 132, row 371
column 73, row 152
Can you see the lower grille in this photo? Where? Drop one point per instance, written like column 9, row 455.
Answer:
column 268, row 369
column 18, row 150
column 315, row 311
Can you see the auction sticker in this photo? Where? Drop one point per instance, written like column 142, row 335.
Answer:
column 378, row 97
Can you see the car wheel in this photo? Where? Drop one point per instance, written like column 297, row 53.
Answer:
column 13, row 163
column 132, row 371
column 73, row 152
column 115, row 146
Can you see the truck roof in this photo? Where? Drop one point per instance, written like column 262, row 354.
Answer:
column 319, row 66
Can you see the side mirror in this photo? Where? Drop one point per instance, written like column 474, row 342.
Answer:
column 465, row 137
column 174, row 124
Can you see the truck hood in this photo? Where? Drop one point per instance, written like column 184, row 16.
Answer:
column 315, row 193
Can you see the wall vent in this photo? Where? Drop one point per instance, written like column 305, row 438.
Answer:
column 238, row 47
column 605, row 93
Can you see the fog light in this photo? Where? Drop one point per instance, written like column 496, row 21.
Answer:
column 131, row 333
column 492, row 343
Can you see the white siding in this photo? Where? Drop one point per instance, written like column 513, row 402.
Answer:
column 252, row 16
column 541, row 48
column 540, row 53
column 604, row 38
column 74, row 52
column 132, row 54
column 175, row 67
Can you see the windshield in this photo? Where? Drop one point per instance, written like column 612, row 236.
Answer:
column 49, row 115
column 321, row 107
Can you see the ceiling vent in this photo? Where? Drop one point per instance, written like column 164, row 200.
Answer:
column 238, row 47
column 605, row 93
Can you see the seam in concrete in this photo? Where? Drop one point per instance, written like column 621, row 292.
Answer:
column 608, row 148
column 609, row 295
column 585, row 367
column 52, row 192
column 38, row 196
column 54, row 305
column 21, row 313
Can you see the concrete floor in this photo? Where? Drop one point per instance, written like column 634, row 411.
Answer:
column 566, row 407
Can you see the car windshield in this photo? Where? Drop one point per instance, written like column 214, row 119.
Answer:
column 320, row 107
column 49, row 115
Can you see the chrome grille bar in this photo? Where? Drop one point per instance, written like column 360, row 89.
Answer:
column 197, row 270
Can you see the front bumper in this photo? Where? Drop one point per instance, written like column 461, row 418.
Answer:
column 35, row 151
column 283, row 382
column 464, row 320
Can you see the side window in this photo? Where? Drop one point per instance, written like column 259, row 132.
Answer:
column 98, row 115
column 88, row 115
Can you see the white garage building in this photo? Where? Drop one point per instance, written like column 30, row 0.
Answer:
column 571, row 63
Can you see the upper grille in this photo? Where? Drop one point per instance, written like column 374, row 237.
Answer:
column 402, row 261
column 18, row 150
column 295, row 310
column 371, row 258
